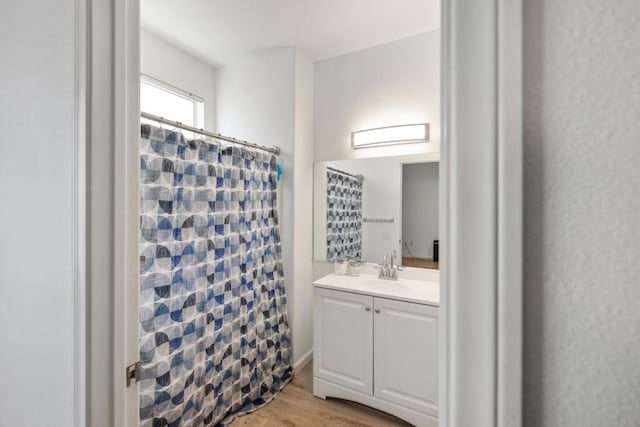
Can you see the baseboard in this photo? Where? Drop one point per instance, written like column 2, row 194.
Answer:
column 299, row 364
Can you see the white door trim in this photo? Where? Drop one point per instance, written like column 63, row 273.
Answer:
column 111, row 29
column 80, row 213
column 510, row 214
column 126, row 206
column 481, row 211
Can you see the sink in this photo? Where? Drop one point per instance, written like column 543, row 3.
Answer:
column 382, row 282
column 409, row 273
column 404, row 289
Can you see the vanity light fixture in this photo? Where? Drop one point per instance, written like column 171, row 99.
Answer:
column 390, row 135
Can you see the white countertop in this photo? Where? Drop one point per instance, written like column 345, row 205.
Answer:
column 410, row 290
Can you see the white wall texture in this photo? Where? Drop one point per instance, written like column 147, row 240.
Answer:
column 37, row 113
column 170, row 64
column 390, row 84
column 582, row 199
column 420, row 208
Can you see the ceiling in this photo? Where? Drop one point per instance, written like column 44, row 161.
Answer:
column 219, row 30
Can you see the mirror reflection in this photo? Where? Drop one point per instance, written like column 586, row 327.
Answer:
column 366, row 208
column 420, row 215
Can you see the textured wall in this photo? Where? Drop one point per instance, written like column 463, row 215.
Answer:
column 582, row 220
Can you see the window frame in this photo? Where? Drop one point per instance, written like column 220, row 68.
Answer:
column 197, row 101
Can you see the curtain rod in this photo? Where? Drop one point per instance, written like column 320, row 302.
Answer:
column 360, row 177
column 162, row 120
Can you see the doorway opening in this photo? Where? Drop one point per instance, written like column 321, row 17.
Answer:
column 458, row 170
column 420, row 215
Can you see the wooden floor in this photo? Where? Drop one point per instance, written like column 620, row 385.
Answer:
column 419, row 262
column 296, row 406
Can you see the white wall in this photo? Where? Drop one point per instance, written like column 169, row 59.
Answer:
column 394, row 83
column 419, row 208
column 266, row 98
column 319, row 211
column 37, row 112
column 582, row 204
column 303, row 206
column 255, row 101
column 170, row 64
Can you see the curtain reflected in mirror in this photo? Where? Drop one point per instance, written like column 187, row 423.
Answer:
column 366, row 208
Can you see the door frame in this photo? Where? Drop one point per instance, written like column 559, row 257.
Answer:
column 108, row 36
column 480, row 210
column 481, row 214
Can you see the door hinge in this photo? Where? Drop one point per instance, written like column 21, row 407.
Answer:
column 133, row 373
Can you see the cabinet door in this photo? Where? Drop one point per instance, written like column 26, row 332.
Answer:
column 406, row 354
column 343, row 339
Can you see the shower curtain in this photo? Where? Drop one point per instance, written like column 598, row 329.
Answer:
column 344, row 216
column 214, row 337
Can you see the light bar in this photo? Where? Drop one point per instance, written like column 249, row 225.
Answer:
column 390, row 135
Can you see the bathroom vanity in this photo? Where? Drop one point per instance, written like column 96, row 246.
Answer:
column 376, row 342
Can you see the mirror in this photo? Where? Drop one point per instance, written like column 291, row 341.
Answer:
column 366, row 208
column 420, row 210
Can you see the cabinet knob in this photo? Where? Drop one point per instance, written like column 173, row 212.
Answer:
column 367, row 308
column 377, row 310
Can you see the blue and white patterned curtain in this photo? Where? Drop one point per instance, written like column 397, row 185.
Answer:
column 344, row 216
column 214, row 338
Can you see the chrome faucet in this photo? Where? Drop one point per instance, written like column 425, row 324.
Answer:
column 388, row 270
column 393, row 255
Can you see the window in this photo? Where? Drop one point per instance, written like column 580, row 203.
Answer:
column 162, row 99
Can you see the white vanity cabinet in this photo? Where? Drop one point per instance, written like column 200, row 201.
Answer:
column 405, row 367
column 343, row 339
column 377, row 351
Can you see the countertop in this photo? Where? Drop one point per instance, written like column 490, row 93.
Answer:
column 409, row 290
